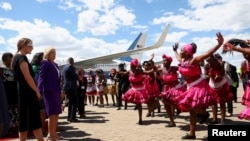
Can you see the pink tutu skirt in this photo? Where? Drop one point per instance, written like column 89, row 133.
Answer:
column 152, row 89
column 169, row 94
column 136, row 95
column 223, row 94
column 196, row 96
column 246, row 96
column 245, row 114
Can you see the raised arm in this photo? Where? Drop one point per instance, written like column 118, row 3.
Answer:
column 152, row 57
column 175, row 47
column 229, row 47
column 211, row 51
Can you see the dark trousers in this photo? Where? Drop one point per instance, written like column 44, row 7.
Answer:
column 119, row 97
column 73, row 103
column 81, row 104
column 230, row 104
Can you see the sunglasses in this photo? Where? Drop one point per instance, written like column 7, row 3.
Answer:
column 30, row 45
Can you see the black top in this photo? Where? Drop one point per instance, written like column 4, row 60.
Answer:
column 18, row 75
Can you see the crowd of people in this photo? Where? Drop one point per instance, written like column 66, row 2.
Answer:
column 38, row 91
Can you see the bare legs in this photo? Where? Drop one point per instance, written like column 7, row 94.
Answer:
column 52, row 127
column 91, row 99
column 106, row 98
column 170, row 111
column 139, row 108
column 37, row 133
column 193, row 117
column 43, row 119
column 151, row 107
column 215, row 113
column 192, row 126
column 113, row 99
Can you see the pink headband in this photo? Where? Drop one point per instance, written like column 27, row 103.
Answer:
column 168, row 58
column 134, row 62
column 189, row 49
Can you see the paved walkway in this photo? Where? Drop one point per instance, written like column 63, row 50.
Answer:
column 109, row 124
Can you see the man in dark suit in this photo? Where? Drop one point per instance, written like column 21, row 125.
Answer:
column 123, row 85
column 70, row 87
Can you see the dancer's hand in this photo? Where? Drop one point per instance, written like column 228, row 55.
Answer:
column 175, row 46
column 220, row 38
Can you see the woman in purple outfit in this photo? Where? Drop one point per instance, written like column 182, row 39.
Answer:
column 49, row 87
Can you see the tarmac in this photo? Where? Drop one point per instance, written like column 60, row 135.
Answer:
column 109, row 124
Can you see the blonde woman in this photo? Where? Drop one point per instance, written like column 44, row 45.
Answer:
column 28, row 106
column 49, row 86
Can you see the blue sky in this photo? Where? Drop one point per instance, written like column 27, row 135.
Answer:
column 88, row 28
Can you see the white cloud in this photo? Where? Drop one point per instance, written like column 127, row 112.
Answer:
column 44, row 34
column 5, row 6
column 207, row 16
column 99, row 23
column 69, row 4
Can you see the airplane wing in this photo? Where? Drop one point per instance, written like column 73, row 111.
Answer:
column 91, row 62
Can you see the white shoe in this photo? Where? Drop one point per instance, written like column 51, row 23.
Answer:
column 229, row 114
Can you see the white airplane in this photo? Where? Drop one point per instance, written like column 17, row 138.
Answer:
column 134, row 51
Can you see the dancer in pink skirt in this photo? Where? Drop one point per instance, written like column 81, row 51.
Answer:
column 245, row 69
column 137, row 93
column 219, row 87
column 197, row 97
column 171, row 87
column 151, row 87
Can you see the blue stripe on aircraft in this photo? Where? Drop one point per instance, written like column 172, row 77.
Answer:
column 131, row 47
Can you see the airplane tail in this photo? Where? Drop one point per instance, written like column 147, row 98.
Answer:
column 138, row 43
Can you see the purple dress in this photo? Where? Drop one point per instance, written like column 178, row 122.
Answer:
column 49, row 87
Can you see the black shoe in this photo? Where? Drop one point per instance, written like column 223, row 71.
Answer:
column 139, row 122
column 74, row 120
column 82, row 116
column 178, row 112
column 188, row 137
column 135, row 108
column 171, row 125
column 204, row 118
column 159, row 108
column 213, row 122
column 125, row 106
column 119, row 108
column 148, row 115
